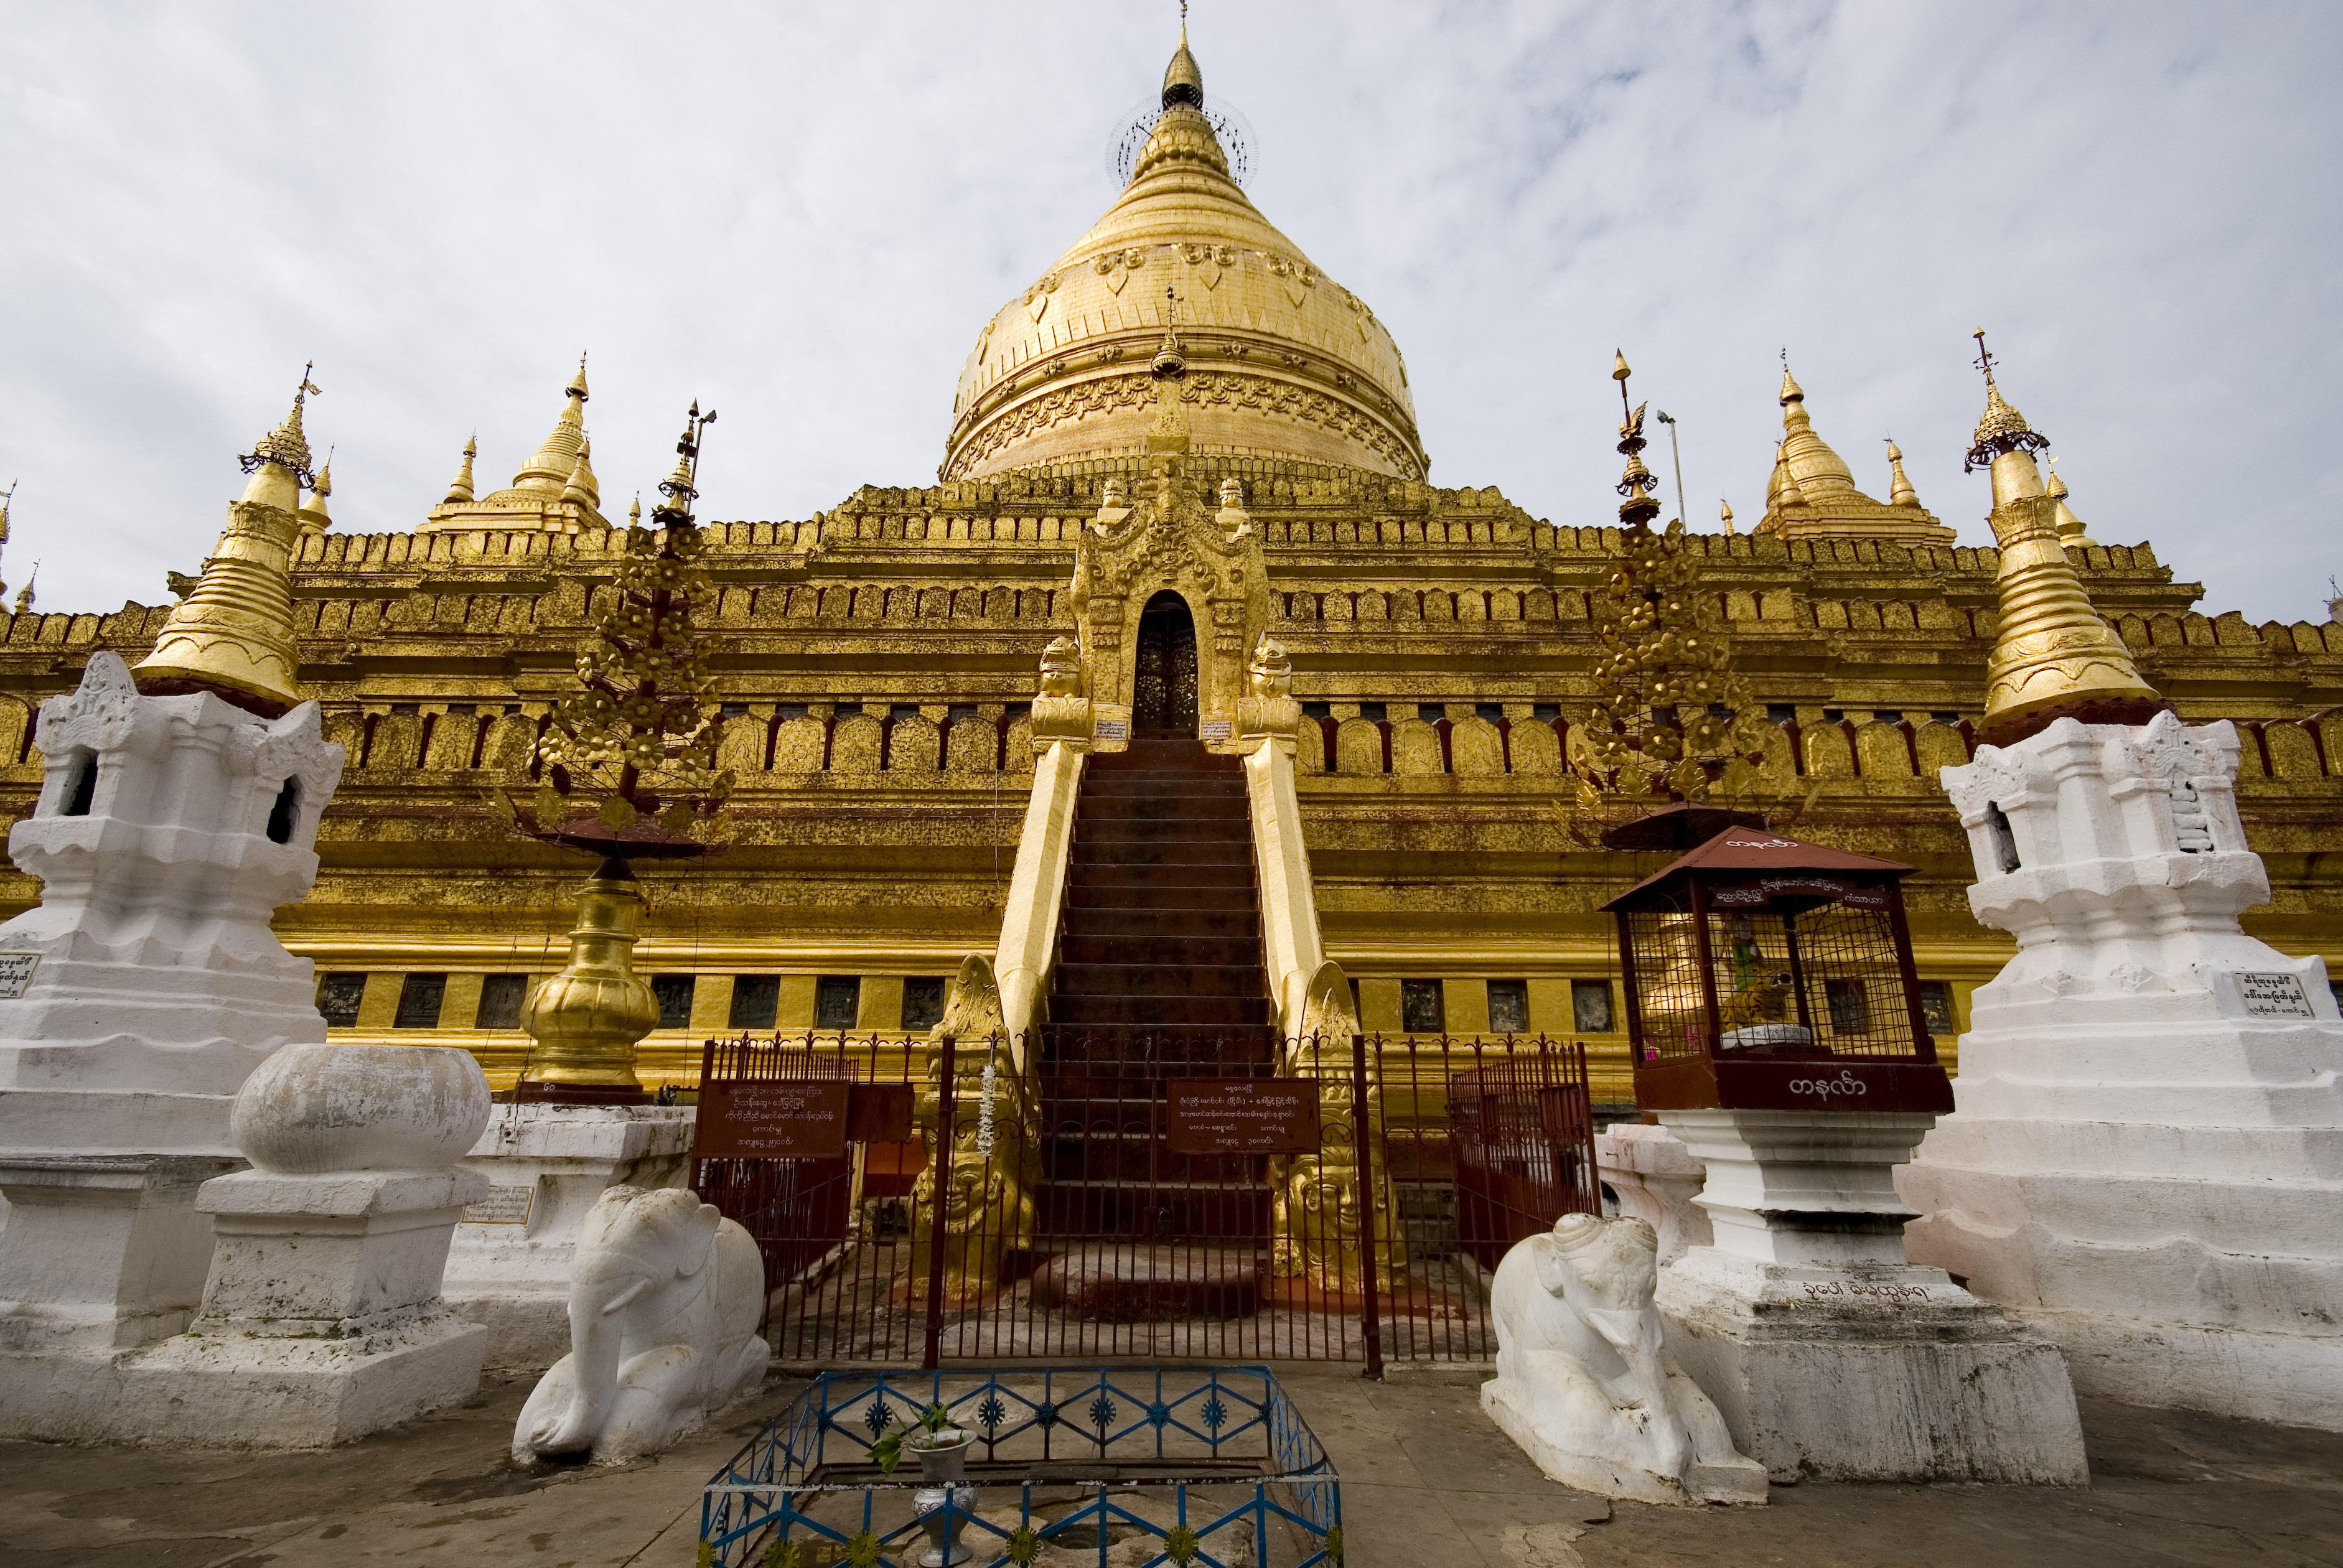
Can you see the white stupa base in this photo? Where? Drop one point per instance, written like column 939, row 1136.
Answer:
column 1828, row 1353
column 240, row 1391
column 508, row 1268
column 102, row 1252
column 2145, row 1154
column 1870, row 1371
column 141, row 992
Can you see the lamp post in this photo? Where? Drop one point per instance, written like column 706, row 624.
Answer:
column 1677, row 456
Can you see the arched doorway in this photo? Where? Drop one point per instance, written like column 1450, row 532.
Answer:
column 1163, row 686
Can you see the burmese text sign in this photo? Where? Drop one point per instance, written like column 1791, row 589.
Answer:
column 1243, row 1115
column 772, row 1119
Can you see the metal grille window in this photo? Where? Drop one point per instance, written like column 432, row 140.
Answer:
column 1421, row 1010
column 419, row 997
column 1590, row 1007
column 1509, row 1006
column 1776, row 981
column 674, row 993
column 500, row 1000
column 1936, row 1006
column 338, row 996
column 756, row 1001
column 923, row 1002
column 837, row 1001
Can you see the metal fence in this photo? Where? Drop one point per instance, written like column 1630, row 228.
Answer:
column 1210, row 1466
column 1072, row 1227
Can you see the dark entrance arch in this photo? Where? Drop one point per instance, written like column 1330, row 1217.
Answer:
column 1163, row 686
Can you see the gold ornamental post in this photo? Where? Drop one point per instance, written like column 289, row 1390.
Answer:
column 586, row 1019
column 628, row 774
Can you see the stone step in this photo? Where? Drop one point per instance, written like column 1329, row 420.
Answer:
column 1161, row 980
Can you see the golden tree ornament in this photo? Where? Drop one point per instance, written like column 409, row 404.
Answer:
column 1669, row 718
column 627, row 764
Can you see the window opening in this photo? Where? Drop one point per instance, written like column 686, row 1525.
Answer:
column 283, row 815
column 1590, row 1006
column 501, row 996
column 419, row 997
column 81, row 787
column 756, row 1001
column 1421, row 1007
column 923, row 1002
column 1509, row 1006
column 338, row 996
column 674, row 994
column 837, row 1001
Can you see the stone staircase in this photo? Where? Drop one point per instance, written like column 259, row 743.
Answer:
column 1159, row 975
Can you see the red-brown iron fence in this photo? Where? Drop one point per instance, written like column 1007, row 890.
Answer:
column 1167, row 1194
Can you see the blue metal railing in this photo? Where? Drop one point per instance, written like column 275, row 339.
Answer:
column 1216, row 1463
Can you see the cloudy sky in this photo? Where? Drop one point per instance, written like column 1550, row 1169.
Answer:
column 802, row 216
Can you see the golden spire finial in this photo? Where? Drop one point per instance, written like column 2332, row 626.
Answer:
column 2002, row 428
column 1900, row 492
column 1725, row 514
column 1783, row 490
column 1790, row 391
column 682, row 486
column 1167, row 435
column 24, row 596
column 5, row 502
column 460, row 490
column 2071, row 531
column 2053, row 656
column 314, row 516
column 635, row 512
column 1183, row 83
column 1636, row 482
column 232, row 635
column 549, row 467
column 583, row 489
column 279, row 462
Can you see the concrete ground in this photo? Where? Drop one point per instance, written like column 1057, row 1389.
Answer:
column 1426, row 1480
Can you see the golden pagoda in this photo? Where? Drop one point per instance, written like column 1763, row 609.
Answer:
column 877, row 665
column 554, row 491
column 1812, row 494
column 1284, row 361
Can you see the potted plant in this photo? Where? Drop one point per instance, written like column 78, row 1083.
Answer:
column 940, row 1447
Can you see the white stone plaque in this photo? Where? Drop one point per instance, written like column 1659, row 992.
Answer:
column 502, row 1206
column 16, row 973
column 1214, row 729
column 2275, row 996
column 1113, row 729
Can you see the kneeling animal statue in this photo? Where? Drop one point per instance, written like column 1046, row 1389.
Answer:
column 664, row 1300
column 1583, row 1384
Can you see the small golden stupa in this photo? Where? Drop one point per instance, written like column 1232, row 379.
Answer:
column 2053, row 656
column 232, row 634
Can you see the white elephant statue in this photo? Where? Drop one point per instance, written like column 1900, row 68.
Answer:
column 1583, row 1384
column 664, row 1300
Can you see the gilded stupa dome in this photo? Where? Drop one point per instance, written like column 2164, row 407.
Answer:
column 1282, row 362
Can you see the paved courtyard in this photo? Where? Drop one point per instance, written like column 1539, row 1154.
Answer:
column 1426, row 1479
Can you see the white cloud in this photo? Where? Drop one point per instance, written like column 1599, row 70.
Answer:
column 803, row 217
